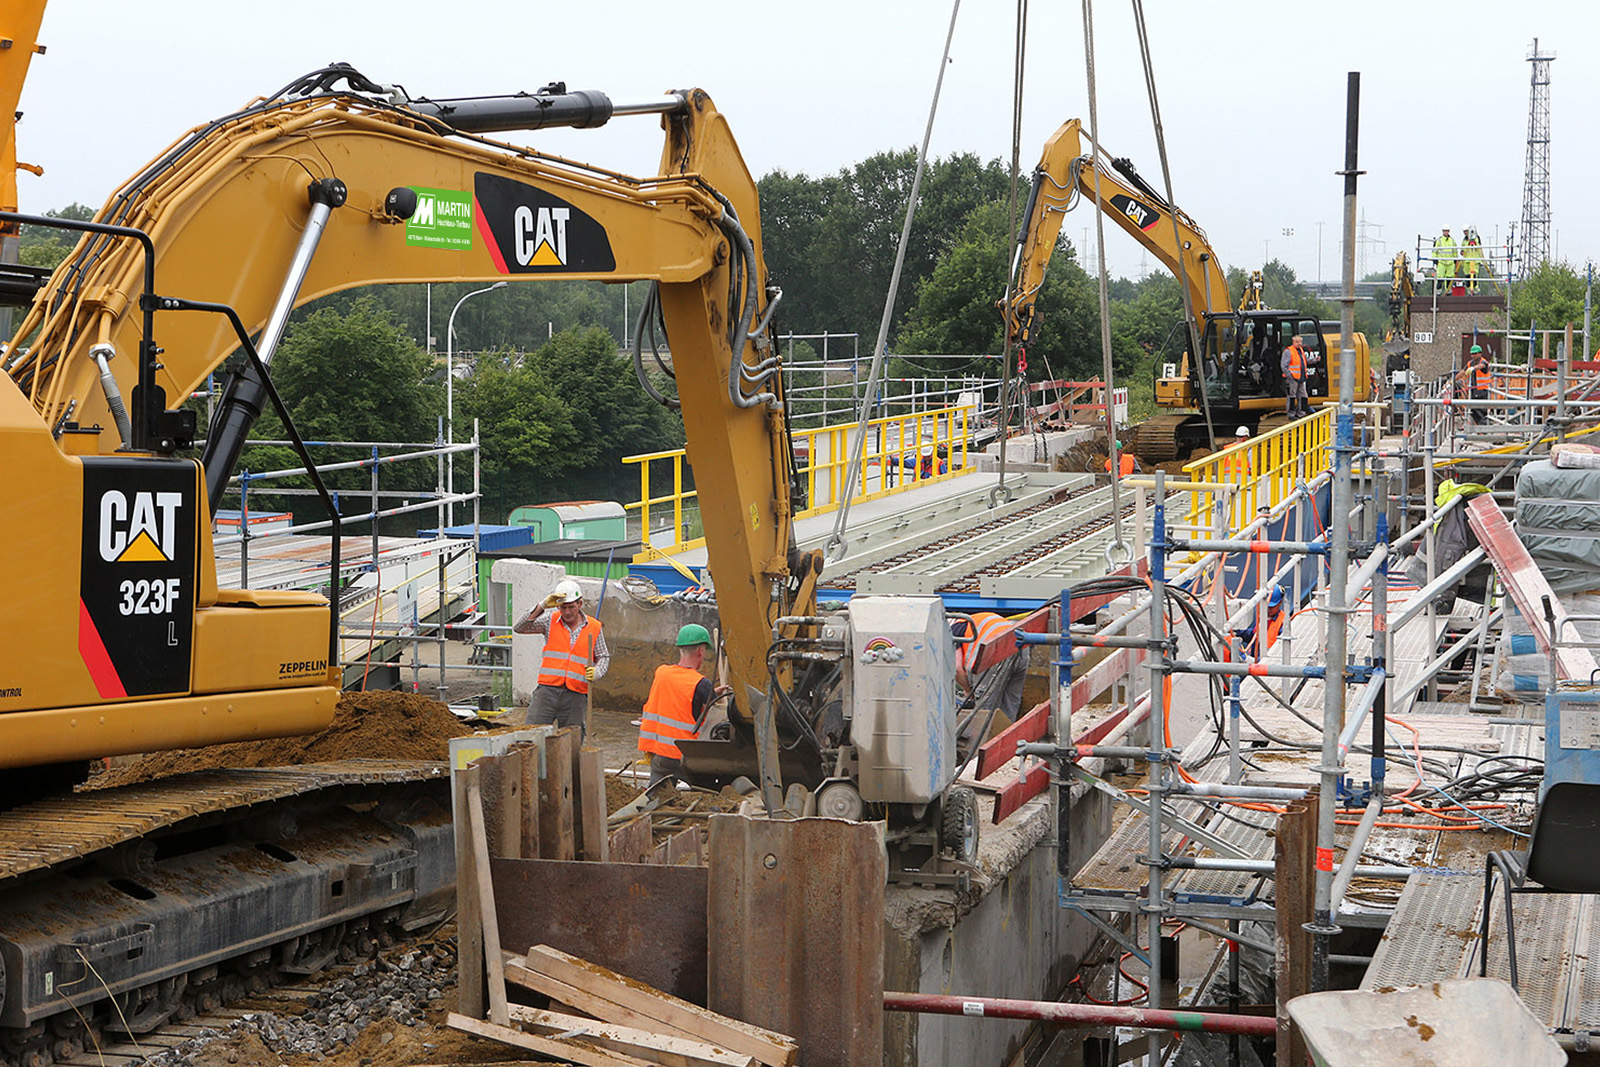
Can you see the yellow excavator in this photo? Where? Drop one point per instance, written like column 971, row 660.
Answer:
column 1236, row 378
column 118, row 636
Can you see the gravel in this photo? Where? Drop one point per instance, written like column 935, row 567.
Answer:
column 398, row 989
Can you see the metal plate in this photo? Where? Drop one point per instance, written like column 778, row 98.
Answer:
column 798, row 910
column 642, row 920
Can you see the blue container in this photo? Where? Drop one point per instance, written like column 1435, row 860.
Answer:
column 493, row 538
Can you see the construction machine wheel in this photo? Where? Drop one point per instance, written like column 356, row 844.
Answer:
column 958, row 824
column 840, row 799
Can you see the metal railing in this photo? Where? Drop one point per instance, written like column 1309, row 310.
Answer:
column 1264, row 469
column 902, row 451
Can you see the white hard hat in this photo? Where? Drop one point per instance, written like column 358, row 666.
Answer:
column 568, row 592
column 1243, row 431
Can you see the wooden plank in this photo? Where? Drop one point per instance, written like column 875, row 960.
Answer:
column 562, row 1050
column 1526, row 584
column 659, row 1048
column 582, row 1000
column 632, row 841
column 555, row 798
column 500, row 778
column 532, row 756
column 770, row 1048
column 496, row 979
column 592, row 806
column 469, row 919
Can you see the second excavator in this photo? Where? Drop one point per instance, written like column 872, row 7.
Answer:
column 1231, row 375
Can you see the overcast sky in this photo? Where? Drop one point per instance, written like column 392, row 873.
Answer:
column 1252, row 94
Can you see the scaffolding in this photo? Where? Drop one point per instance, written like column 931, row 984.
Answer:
column 390, row 593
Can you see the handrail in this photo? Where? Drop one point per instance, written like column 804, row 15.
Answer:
column 904, row 451
column 1265, row 469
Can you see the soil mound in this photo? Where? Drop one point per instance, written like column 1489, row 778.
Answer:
column 375, row 725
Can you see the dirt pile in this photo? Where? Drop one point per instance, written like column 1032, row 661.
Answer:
column 376, row 725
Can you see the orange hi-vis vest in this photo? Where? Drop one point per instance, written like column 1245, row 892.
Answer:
column 1481, row 378
column 669, row 711
column 1125, row 464
column 991, row 627
column 567, row 654
column 1297, row 364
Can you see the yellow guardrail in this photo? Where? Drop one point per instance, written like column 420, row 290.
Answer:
column 676, row 499
column 1265, row 469
column 902, row 452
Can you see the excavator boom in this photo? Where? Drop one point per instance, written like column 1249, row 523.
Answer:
column 322, row 189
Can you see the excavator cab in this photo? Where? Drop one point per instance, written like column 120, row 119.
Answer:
column 1242, row 356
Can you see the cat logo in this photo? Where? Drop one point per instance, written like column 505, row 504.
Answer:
column 1143, row 215
column 542, row 238
column 529, row 230
column 144, row 532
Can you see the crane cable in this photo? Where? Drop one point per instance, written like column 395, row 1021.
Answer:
column 1172, row 206
column 1000, row 494
column 835, row 548
column 1114, row 464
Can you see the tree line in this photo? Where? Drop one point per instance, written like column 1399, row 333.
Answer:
column 557, row 400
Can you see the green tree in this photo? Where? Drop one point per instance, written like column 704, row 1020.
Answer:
column 347, row 376
column 40, row 246
column 954, row 310
column 830, row 242
column 1550, row 295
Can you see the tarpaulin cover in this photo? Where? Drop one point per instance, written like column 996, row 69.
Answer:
column 1558, row 518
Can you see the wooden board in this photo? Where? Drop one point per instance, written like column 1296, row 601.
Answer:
column 495, row 979
column 556, row 834
column 592, row 806
column 561, row 1050
column 770, row 1048
column 665, row 1049
column 560, row 992
column 1527, row 585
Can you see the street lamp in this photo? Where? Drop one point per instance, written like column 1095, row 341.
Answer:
column 450, row 396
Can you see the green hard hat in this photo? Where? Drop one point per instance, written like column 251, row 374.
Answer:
column 1474, row 350
column 693, row 634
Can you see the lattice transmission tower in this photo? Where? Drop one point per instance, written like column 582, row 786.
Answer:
column 1536, row 177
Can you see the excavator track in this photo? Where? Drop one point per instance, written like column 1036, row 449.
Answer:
column 1158, row 438
column 48, row 833
column 125, row 909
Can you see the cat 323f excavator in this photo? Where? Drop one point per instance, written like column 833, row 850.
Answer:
column 120, row 640
column 1239, row 347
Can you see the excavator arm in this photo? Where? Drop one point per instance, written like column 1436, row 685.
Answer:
column 322, row 189
column 1065, row 173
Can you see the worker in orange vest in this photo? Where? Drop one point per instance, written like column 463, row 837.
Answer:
column 1276, row 617
column 1296, row 367
column 1126, row 464
column 575, row 654
column 679, row 697
column 1476, row 379
column 999, row 685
